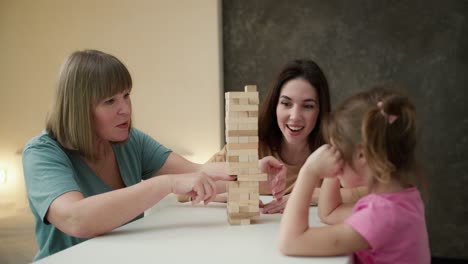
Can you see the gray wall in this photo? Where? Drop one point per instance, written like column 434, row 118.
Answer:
column 419, row 45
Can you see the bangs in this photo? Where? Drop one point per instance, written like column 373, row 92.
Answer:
column 110, row 78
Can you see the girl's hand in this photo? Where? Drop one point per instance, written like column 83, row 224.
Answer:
column 276, row 175
column 325, row 162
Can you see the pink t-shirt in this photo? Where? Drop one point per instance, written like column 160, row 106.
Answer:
column 394, row 226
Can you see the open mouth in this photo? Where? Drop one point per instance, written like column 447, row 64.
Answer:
column 123, row 125
column 294, row 128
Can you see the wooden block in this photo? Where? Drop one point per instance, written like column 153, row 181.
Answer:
column 235, row 101
column 238, row 221
column 239, row 152
column 252, row 184
column 251, row 209
column 244, row 196
column 247, row 165
column 233, row 208
column 243, row 146
column 235, row 140
column 250, row 126
column 250, row 139
column 243, row 171
column 254, row 197
column 250, row 88
column 233, row 171
column 243, row 101
column 232, row 184
column 240, row 190
column 243, row 114
column 245, row 222
column 254, row 170
column 233, row 197
column 243, row 215
column 252, row 177
column 235, row 114
column 231, row 126
column 237, row 108
column 232, row 95
column 233, row 159
column 253, row 157
column 248, row 120
column 243, row 126
column 253, row 101
column 233, row 133
column 243, row 158
column 253, row 113
column 244, row 140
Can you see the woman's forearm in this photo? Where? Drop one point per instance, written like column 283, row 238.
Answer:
column 99, row 214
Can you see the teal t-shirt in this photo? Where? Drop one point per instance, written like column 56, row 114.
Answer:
column 51, row 170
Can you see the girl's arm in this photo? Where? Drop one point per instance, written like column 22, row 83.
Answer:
column 331, row 208
column 348, row 195
column 95, row 215
column 296, row 237
column 331, row 240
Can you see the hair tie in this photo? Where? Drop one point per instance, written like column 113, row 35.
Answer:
column 390, row 118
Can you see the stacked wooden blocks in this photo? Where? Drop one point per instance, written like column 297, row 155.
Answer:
column 242, row 155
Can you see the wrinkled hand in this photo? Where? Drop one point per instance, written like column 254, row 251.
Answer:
column 276, row 175
column 201, row 186
column 326, row 161
column 275, row 206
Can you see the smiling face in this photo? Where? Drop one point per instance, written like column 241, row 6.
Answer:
column 112, row 117
column 297, row 111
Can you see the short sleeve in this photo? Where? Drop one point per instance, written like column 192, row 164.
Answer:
column 48, row 174
column 373, row 220
column 153, row 154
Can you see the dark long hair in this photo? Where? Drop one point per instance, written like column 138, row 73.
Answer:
column 268, row 131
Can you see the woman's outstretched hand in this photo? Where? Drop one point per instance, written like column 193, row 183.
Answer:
column 275, row 206
column 201, row 186
column 276, row 175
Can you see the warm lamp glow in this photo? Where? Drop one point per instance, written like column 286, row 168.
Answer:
column 3, row 176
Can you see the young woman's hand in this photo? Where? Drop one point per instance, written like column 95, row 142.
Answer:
column 276, row 175
column 275, row 206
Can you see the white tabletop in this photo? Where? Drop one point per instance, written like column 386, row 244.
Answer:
column 181, row 233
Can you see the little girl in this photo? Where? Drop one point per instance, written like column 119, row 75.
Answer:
column 371, row 141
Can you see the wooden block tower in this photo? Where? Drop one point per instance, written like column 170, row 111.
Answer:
column 242, row 155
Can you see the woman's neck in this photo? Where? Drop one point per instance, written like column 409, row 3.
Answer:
column 294, row 154
column 103, row 148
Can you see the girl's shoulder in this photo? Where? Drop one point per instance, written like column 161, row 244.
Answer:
column 406, row 199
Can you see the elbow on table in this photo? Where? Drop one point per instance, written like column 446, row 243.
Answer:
column 324, row 219
column 286, row 246
column 81, row 230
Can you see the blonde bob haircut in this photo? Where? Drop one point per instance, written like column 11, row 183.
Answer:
column 86, row 77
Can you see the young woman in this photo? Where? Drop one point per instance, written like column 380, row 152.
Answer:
column 289, row 130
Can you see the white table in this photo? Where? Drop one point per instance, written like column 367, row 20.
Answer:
column 181, row 233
